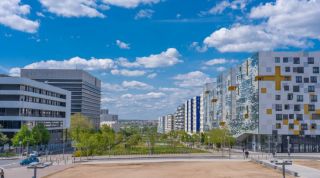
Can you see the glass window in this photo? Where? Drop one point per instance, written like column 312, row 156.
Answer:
column 278, row 126
column 278, row 97
column 290, row 96
column 291, row 126
column 306, row 80
column 285, row 60
column 313, row 98
column 296, row 60
column 278, row 107
column 287, row 107
column 310, row 60
column 298, row 79
column 313, row 79
column 287, row 69
column 291, row 116
column 297, row 107
column 315, row 70
column 286, row 88
column 277, row 59
column 278, row 116
column 304, row 126
column 300, row 70
column 299, row 98
column 296, row 88
column 299, row 117
column 311, row 88
column 311, row 107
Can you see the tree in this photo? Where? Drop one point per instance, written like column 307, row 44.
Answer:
column 24, row 136
column 133, row 140
column 79, row 124
column 3, row 139
column 108, row 137
column 220, row 137
column 40, row 134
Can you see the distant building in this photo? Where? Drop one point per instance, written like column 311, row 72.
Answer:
column 169, row 120
column 188, row 116
column 85, row 88
column 196, row 114
column 161, row 124
column 109, row 119
column 27, row 102
column 179, row 119
column 207, row 121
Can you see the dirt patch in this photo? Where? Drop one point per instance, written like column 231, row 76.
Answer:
column 309, row 163
column 214, row 169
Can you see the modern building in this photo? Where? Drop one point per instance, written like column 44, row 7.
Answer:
column 207, row 121
column 85, row 88
column 270, row 101
column 192, row 115
column 161, row 124
column 169, row 121
column 27, row 102
column 112, row 120
column 179, row 118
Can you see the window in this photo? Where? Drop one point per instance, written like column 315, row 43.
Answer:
column 315, row 70
column 299, row 98
column 286, row 88
column 306, row 80
column 278, row 126
column 299, row 117
column 278, row 107
column 311, row 88
column 297, row 107
column 287, row 107
column 278, row 117
column 315, row 117
column 278, row 97
column 277, row 59
column 291, row 126
column 296, row 88
column 314, row 98
column 296, row 60
column 310, row 60
column 285, row 60
column 313, row 79
column 298, row 79
column 304, row 126
column 290, row 96
column 287, row 69
column 285, row 116
column 300, row 70
column 291, row 116
column 311, row 107
column 313, row 126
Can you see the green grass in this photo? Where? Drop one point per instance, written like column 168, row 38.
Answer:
column 7, row 154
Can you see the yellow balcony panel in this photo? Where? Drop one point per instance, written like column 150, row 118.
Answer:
column 296, row 132
column 269, row 111
column 232, row 88
column 222, row 124
column 306, row 108
column 296, row 122
column 263, row 90
column 246, row 116
column 285, row 122
column 214, row 100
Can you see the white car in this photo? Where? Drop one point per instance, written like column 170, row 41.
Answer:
column 34, row 153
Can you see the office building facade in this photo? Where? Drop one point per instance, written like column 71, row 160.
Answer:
column 27, row 102
column 85, row 89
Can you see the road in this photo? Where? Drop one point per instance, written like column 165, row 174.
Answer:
column 10, row 163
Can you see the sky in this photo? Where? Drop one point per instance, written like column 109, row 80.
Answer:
column 151, row 55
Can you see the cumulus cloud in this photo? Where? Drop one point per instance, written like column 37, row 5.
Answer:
column 280, row 24
column 128, row 73
column 192, row 79
column 72, row 8
column 220, row 69
column 150, row 95
column 122, row 45
column 136, row 85
column 112, row 87
column 167, row 58
column 197, row 47
column 219, row 61
column 125, row 63
column 233, row 4
column 130, row 3
column 144, row 14
column 13, row 15
column 151, row 76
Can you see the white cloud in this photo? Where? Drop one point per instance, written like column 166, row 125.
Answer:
column 125, row 63
column 219, row 61
column 249, row 38
column 167, row 58
column 220, row 69
column 136, row 85
column 130, row 3
column 285, row 23
column 144, row 14
column 112, row 87
column 15, row 71
column 13, row 15
column 122, row 45
column 128, row 73
column 147, row 96
column 299, row 18
column 197, row 47
column 234, row 4
column 72, row 8
column 192, row 79
column 151, row 76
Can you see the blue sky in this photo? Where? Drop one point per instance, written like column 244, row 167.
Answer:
column 151, row 55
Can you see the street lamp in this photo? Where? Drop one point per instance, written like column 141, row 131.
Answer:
column 283, row 164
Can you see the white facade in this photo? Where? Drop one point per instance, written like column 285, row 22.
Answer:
column 25, row 101
column 169, row 120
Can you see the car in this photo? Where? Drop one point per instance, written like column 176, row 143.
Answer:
column 34, row 153
column 1, row 173
column 27, row 161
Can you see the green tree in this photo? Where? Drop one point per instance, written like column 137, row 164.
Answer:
column 108, row 137
column 220, row 138
column 3, row 139
column 79, row 124
column 133, row 140
column 24, row 135
column 40, row 134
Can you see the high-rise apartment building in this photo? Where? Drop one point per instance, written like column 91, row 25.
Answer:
column 85, row 88
column 27, row 102
column 161, row 124
column 179, row 118
column 196, row 114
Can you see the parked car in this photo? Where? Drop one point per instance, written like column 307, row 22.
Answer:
column 29, row 160
column 1, row 173
column 34, row 153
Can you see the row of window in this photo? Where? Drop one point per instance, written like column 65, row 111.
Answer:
column 313, row 79
column 313, row 98
column 41, row 113
column 304, row 126
column 41, row 91
column 296, row 88
column 296, row 107
column 41, row 100
column 296, row 60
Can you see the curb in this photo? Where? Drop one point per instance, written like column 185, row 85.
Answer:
column 270, row 165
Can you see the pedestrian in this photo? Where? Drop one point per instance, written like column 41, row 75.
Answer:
column 247, row 154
